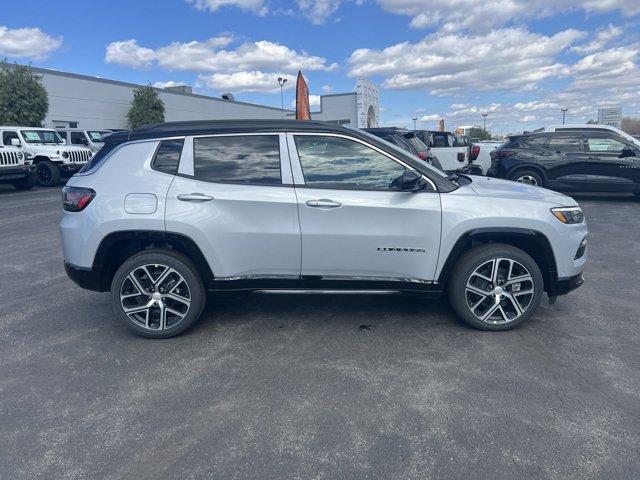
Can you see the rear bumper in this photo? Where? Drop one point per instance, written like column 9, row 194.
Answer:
column 87, row 278
column 562, row 286
column 16, row 173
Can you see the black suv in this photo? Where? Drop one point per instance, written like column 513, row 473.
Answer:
column 586, row 160
column 406, row 140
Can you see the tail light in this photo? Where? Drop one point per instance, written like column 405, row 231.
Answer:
column 475, row 151
column 423, row 156
column 461, row 156
column 75, row 199
column 497, row 154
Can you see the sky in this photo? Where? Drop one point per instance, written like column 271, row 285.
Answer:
column 518, row 61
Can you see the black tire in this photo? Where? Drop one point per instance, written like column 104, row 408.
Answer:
column 161, row 258
column 26, row 183
column 48, row 174
column 478, row 257
column 529, row 177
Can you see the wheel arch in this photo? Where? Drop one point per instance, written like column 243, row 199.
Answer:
column 116, row 247
column 41, row 158
column 532, row 242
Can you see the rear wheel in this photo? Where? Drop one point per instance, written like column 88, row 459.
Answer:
column 495, row 287
column 158, row 293
column 26, row 183
column 48, row 174
column 529, row 177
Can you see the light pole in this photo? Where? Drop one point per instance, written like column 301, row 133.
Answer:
column 281, row 82
column 415, row 119
column 484, row 121
column 564, row 111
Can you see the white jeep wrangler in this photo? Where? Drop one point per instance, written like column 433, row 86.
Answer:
column 15, row 169
column 47, row 151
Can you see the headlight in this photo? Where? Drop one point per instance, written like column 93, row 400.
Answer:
column 20, row 156
column 65, row 154
column 568, row 215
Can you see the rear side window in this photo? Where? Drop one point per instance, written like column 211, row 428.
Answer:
column 168, row 156
column 243, row 159
column 439, row 140
column 564, row 144
column 603, row 144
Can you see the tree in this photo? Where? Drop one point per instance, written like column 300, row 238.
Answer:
column 146, row 107
column 23, row 98
column 592, row 122
column 631, row 125
column 478, row 133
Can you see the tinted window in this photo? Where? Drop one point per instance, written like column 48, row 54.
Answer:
column 331, row 162
column 7, row 136
column 439, row 139
column 78, row 138
column 602, row 144
column 168, row 156
column 251, row 160
column 564, row 144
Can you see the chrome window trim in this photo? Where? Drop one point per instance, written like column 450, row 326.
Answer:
column 294, row 155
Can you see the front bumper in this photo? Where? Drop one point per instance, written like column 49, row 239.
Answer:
column 17, row 172
column 87, row 278
column 562, row 286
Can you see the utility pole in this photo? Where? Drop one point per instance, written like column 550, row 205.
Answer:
column 564, row 111
column 281, row 82
column 415, row 119
column 484, row 121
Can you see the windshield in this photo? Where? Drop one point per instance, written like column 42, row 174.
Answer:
column 41, row 136
column 97, row 135
column 403, row 153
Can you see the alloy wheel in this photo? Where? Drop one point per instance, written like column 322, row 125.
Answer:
column 499, row 291
column 528, row 179
column 44, row 175
column 155, row 296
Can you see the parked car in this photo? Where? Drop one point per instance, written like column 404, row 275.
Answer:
column 48, row 151
column 165, row 213
column 88, row 138
column 15, row 169
column 480, row 155
column 407, row 141
column 587, row 159
column 452, row 152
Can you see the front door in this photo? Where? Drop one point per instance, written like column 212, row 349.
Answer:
column 354, row 226
column 609, row 169
column 234, row 197
column 565, row 162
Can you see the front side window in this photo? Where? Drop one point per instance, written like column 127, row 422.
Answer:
column 603, row 144
column 41, row 136
column 242, row 159
column 333, row 162
column 78, row 138
column 564, row 144
column 168, row 156
column 8, row 136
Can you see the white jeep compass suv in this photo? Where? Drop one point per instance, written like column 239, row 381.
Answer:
column 43, row 147
column 165, row 213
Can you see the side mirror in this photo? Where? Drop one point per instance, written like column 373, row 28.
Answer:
column 16, row 142
column 628, row 152
column 409, row 181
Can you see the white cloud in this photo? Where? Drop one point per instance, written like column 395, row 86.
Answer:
column 326, row 89
column 484, row 15
column 430, row 118
column 130, row 54
column 256, row 6
column 170, row 83
column 507, row 59
column 245, row 81
column 27, row 43
column 317, row 11
column 602, row 38
column 210, row 56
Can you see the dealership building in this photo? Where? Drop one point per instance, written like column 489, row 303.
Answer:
column 80, row 101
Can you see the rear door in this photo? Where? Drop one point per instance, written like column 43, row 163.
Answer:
column 234, row 197
column 609, row 170
column 353, row 225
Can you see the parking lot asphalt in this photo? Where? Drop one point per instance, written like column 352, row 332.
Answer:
column 315, row 387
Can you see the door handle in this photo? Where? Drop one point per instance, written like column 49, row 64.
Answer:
column 323, row 203
column 194, row 197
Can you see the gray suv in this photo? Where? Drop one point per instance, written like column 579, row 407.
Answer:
column 168, row 212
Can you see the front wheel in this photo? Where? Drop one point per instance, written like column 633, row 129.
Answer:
column 48, row 174
column 495, row 287
column 158, row 293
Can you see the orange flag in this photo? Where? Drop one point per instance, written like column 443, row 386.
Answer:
column 303, row 112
